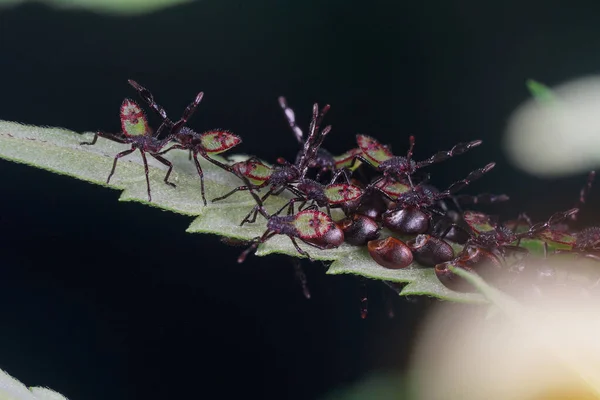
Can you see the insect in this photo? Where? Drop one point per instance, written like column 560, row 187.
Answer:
column 413, row 209
column 474, row 259
column 430, row 251
column 499, row 239
column 446, row 225
column 328, row 196
column 399, row 168
column 371, row 204
column 257, row 173
column 310, row 226
column 543, row 277
column 451, row 226
column 359, row 229
column 135, row 131
column 333, row 195
column 391, row 189
column 323, row 160
column 214, row 141
column 390, row 253
column 285, row 174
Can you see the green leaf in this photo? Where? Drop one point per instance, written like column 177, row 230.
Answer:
column 59, row 150
column 12, row 389
column 540, row 92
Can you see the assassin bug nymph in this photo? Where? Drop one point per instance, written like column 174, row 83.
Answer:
column 135, row 131
column 499, row 239
column 328, row 196
column 399, row 168
column 313, row 227
column 324, row 161
column 210, row 142
column 412, row 213
column 333, row 195
column 285, row 174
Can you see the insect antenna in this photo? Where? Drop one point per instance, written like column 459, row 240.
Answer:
column 147, row 96
column 444, row 155
column 484, row 198
column 409, row 154
column 456, row 186
column 266, row 236
column 187, row 114
column 291, row 118
column 314, row 139
column 174, row 127
column 540, row 227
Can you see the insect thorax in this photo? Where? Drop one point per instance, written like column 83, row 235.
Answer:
column 398, row 164
column 283, row 175
column 282, row 225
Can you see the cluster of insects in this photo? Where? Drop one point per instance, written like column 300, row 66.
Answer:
column 386, row 201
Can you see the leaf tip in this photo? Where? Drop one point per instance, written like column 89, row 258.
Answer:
column 539, row 91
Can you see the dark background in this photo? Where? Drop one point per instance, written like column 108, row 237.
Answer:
column 101, row 299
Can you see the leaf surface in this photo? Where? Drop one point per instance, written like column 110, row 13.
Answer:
column 12, row 389
column 59, row 150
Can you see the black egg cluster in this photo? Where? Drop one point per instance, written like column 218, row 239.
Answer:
column 375, row 189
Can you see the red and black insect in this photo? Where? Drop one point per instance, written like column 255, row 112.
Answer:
column 334, row 195
column 498, row 239
column 323, row 160
column 257, row 173
column 473, row 259
column 371, row 204
column 399, row 168
column 310, row 226
column 136, row 132
column 413, row 210
column 214, row 141
column 284, row 175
